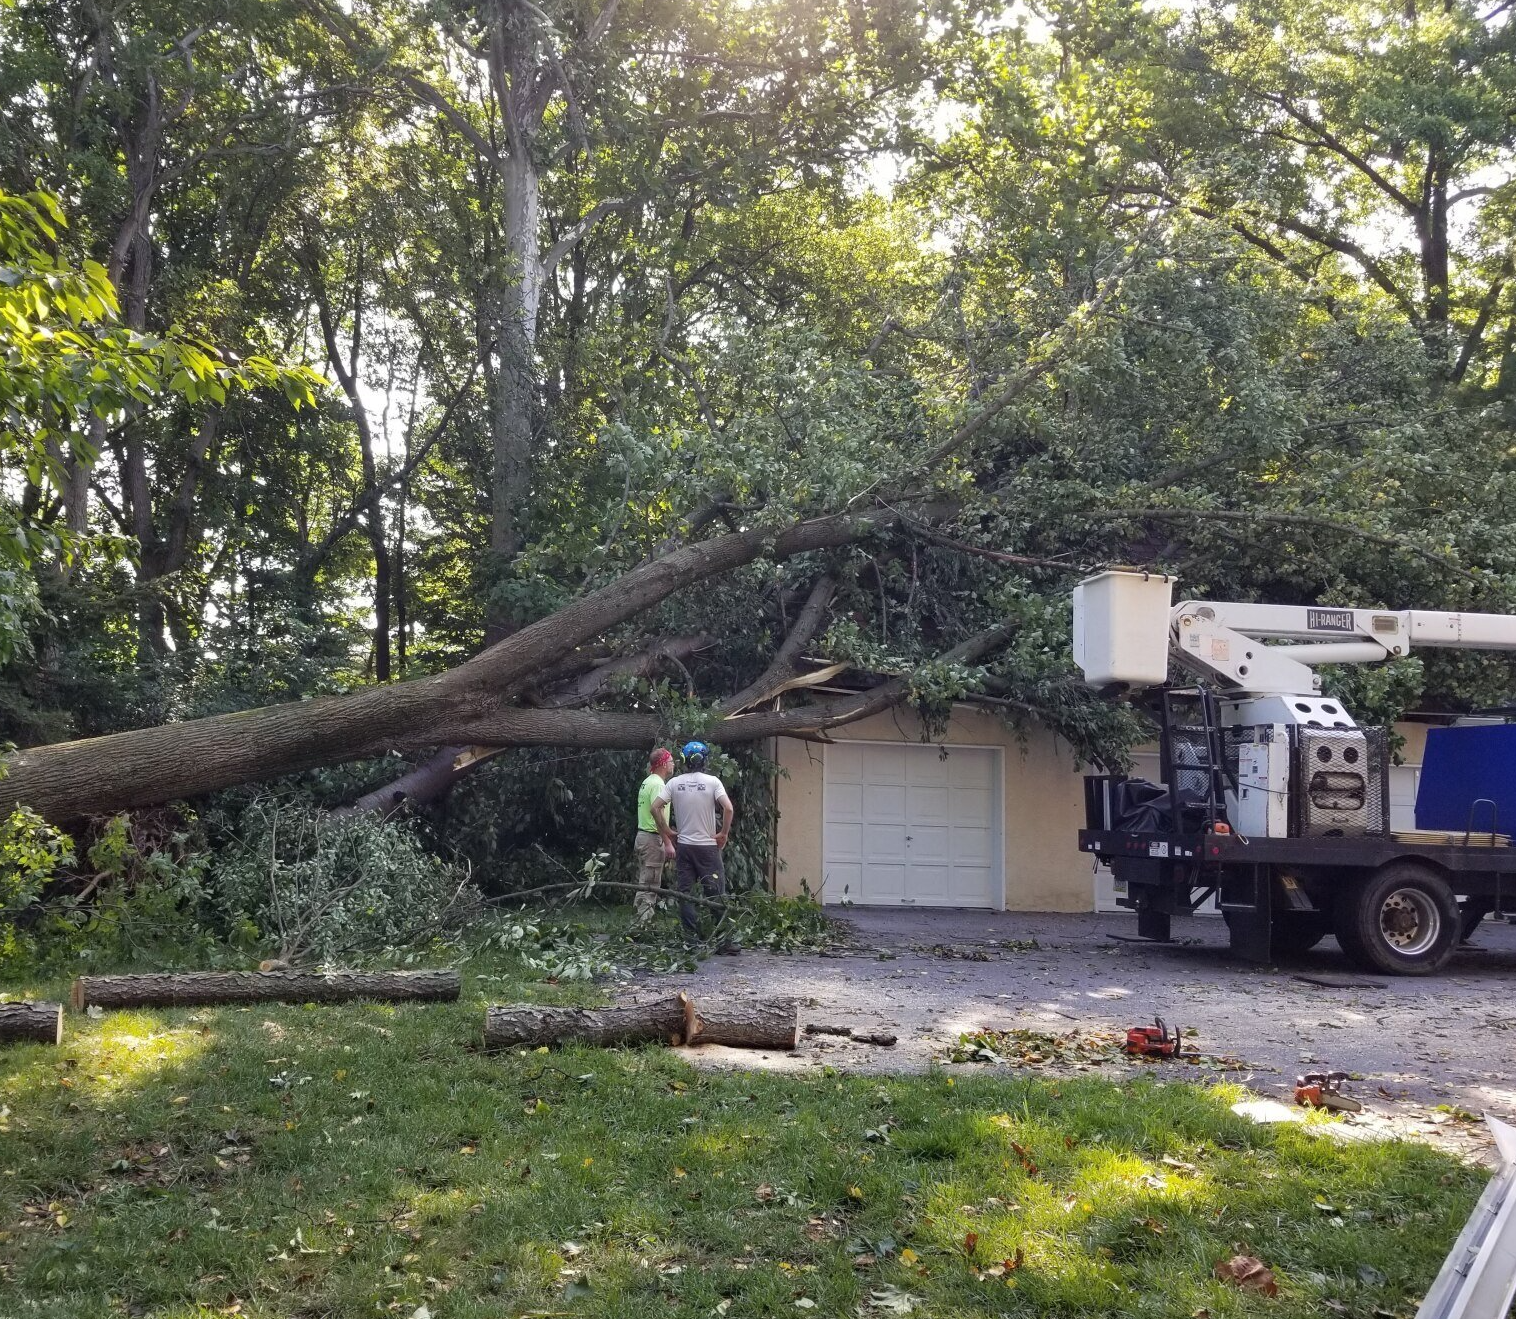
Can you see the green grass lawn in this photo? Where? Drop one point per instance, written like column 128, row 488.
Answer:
column 369, row 1160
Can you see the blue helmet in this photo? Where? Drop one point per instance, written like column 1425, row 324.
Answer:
column 692, row 750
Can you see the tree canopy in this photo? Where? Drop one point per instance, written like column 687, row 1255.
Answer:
column 654, row 347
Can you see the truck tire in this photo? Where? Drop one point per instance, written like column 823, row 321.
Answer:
column 1296, row 932
column 1401, row 919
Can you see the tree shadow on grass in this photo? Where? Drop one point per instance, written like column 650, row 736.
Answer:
column 368, row 1160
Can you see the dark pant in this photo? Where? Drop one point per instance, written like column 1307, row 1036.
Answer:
column 699, row 868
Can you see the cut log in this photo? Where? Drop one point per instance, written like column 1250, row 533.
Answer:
column 742, row 1023
column 35, row 1023
column 209, row 987
column 530, row 1024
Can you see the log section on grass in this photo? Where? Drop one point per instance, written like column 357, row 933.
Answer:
column 209, row 987
column 661, row 1022
column 34, row 1023
column 743, row 1023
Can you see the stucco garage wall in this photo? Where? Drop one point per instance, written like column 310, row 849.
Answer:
column 1043, row 808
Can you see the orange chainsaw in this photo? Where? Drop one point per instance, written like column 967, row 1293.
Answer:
column 1155, row 1041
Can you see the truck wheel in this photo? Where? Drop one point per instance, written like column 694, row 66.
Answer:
column 1296, row 932
column 1401, row 919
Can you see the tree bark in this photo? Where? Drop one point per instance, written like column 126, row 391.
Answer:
column 34, row 1023
column 471, row 704
column 634, row 1023
column 742, row 1023
column 168, row 990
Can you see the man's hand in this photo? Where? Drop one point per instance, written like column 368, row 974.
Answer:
column 668, row 850
column 721, row 838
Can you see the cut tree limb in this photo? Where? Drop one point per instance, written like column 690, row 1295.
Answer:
column 742, row 1023
column 31, row 1023
column 209, row 987
column 530, row 1025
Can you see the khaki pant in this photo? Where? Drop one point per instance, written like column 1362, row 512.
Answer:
column 650, row 863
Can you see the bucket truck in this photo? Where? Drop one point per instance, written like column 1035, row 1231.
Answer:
column 1273, row 799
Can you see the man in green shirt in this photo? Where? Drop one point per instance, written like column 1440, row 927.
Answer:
column 651, row 851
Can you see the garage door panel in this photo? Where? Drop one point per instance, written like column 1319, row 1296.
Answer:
column 928, row 804
column 931, row 885
column 885, row 765
column 970, row 769
column 844, row 801
column 844, row 841
column 970, row 806
column 883, row 803
column 930, row 843
column 843, row 882
column 973, row 846
column 884, row 842
column 844, row 764
column 907, row 825
column 884, row 883
column 971, row 886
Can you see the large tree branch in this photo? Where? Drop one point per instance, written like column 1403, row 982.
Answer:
column 643, row 664
column 1330, row 141
column 812, row 618
column 1487, row 306
column 469, row 704
column 1346, row 247
column 572, row 236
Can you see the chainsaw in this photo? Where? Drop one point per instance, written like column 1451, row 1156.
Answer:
column 1324, row 1090
column 1155, row 1041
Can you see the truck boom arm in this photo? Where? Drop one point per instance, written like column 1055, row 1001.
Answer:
column 1124, row 622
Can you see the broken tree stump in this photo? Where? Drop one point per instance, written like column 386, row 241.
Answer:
column 34, row 1023
column 742, row 1023
column 661, row 1021
column 200, row 988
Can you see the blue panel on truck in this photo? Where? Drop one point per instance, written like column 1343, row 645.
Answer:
column 1462, row 765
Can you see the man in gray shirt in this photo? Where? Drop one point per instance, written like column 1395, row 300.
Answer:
column 696, row 797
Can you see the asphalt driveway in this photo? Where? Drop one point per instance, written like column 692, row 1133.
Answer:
column 1422, row 1046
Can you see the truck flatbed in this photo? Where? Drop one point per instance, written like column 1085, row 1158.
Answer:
column 1232, row 849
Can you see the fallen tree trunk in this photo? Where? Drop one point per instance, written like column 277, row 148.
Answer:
column 35, row 1023
column 168, row 990
column 471, row 704
column 528, row 1024
column 742, row 1023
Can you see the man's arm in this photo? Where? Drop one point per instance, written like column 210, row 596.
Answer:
column 660, row 818
column 728, row 814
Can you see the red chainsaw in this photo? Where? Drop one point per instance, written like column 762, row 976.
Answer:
column 1155, row 1041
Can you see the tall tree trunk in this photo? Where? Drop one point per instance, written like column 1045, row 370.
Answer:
column 516, row 289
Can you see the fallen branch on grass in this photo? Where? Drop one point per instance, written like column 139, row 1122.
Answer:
column 584, row 888
column 885, row 1039
column 199, row 988
column 741, row 1023
column 31, row 1023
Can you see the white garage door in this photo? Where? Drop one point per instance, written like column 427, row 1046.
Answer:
column 908, row 825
